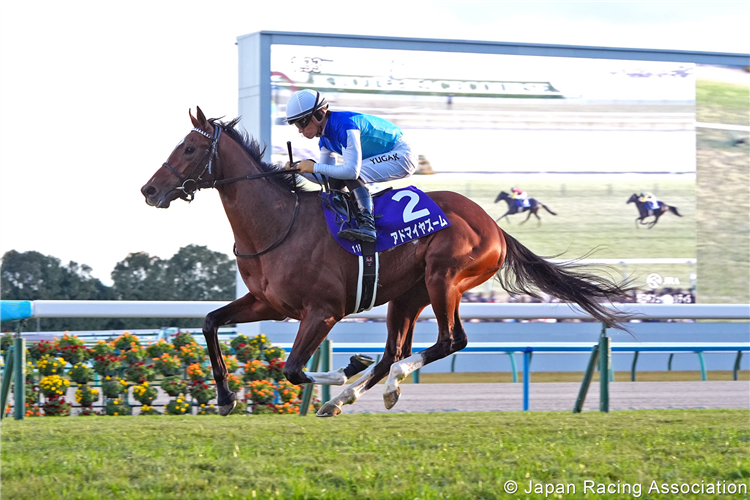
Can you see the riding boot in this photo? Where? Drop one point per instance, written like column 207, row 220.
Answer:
column 365, row 230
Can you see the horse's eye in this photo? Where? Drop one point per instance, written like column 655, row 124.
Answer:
column 189, row 150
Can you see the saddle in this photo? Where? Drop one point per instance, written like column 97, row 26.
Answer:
column 401, row 215
column 523, row 203
column 342, row 204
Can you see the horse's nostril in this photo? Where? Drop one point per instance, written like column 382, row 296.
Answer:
column 148, row 190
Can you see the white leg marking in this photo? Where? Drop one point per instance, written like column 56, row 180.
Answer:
column 348, row 396
column 335, row 377
column 353, row 392
column 400, row 370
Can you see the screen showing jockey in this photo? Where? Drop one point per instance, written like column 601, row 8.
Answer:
column 520, row 197
column 373, row 150
column 650, row 200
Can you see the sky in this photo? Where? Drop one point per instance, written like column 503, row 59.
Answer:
column 94, row 95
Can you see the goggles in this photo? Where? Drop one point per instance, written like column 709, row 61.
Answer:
column 305, row 120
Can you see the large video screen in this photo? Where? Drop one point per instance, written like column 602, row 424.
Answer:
column 580, row 136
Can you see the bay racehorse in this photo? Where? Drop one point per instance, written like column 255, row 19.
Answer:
column 532, row 209
column 294, row 269
column 644, row 211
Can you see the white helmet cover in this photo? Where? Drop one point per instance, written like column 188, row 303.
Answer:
column 303, row 103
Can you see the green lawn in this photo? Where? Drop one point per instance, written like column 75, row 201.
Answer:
column 425, row 456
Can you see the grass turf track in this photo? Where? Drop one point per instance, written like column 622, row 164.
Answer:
column 407, row 456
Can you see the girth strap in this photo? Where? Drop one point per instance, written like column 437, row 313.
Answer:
column 367, row 281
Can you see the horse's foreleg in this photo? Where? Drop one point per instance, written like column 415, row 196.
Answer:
column 357, row 363
column 313, row 329
column 503, row 216
column 402, row 317
column 348, row 396
column 246, row 309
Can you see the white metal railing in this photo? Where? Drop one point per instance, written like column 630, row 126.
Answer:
column 198, row 309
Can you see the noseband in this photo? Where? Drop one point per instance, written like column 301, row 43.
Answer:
column 190, row 184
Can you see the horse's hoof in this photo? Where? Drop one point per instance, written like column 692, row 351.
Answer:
column 227, row 409
column 328, row 410
column 391, row 398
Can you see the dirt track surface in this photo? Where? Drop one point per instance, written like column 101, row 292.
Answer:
column 556, row 397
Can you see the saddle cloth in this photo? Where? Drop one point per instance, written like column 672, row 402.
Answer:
column 401, row 216
column 523, row 203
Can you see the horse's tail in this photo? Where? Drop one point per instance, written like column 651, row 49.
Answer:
column 524, row 272
column 674, row 211
column 547, row 209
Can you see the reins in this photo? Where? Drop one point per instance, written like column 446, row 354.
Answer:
column 189, row 191
column 277, row 242
column 221, row 182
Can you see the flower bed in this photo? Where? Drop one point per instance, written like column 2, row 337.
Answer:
column 125, row 377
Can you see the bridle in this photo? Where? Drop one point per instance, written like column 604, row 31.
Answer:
column 191, row 184
column 187, row 189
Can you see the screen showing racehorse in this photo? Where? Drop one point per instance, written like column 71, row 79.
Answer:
column 569, row 154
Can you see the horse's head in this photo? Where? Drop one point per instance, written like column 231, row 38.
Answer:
column 501, row 196
column 188, row 164
column 632, row 199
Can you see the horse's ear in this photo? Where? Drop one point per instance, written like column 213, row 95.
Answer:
column 199, row 122
column 201, row 116
column 196, row 123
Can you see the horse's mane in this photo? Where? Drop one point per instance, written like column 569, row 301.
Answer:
column 256, row 152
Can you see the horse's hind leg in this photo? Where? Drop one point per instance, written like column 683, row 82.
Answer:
column 246, row 309
column 528, row 216
column 446, row 296
column 402, row 316
column 440, row 350
column 538, row 219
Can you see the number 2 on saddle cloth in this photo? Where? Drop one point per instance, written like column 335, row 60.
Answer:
column 401, row 215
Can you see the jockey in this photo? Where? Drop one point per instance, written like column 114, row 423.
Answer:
column 650, row 200
column 520, row 197
column 373, row 150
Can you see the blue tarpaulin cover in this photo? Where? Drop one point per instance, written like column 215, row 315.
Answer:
column 14, row 309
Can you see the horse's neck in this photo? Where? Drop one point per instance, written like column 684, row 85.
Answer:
column 259, row 210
